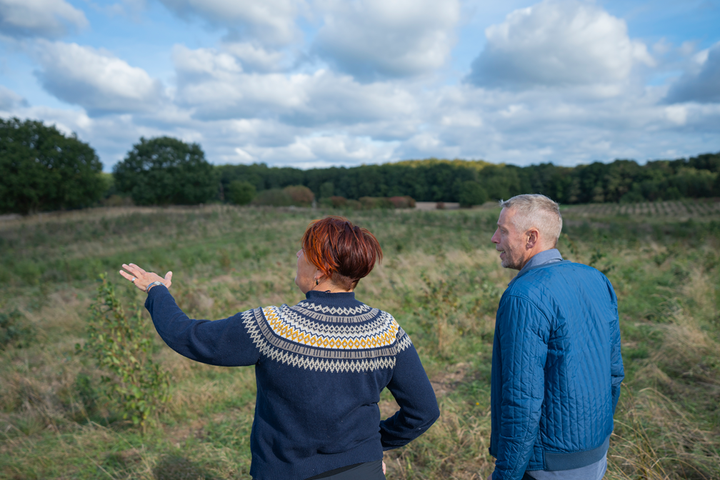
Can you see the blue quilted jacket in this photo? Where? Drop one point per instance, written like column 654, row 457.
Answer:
column 556, row 370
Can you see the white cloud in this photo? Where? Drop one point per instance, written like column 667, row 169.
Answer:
column 213, row 85
column 202, row 64
column 372, row 39
column 10, row 100
column 558, row 43
column 132, row 9
column 701, row 85
column 676, row 114
column 255, row 58
column 317, row 151
column 39, row 18
column 95, row 80
column 271, row 22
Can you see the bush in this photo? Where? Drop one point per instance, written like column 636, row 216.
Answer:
column 338, row 202
column 166, row 171
column 402, row 202
column 14, row 331
column 300, row 195
column 370, row 203
column 117, row 201
column 274, row 197
column 42, row 169
column 121, row 346
column 241, row 192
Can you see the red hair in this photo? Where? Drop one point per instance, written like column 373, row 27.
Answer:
column 344, row 252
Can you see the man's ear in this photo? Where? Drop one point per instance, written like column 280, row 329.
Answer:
column 533, row 237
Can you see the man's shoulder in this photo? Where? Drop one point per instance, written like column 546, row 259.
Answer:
column 541, row 281
column 557, row 269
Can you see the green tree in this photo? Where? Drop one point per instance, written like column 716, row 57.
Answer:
column 240, row 192
column 472, row 193
column 42, row 169
column 326, row 190
column 166, row 171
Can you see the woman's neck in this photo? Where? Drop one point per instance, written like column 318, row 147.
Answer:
column 329, row 287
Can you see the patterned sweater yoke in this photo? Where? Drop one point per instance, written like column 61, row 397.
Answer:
column 326, row 338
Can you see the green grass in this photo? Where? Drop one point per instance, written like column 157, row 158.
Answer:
column 440, row 278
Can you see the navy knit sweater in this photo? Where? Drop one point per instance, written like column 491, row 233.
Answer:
column 320, row 367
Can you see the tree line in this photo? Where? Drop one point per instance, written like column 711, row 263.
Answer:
column 43, row 169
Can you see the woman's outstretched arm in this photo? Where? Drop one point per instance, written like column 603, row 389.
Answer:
column 221, row 342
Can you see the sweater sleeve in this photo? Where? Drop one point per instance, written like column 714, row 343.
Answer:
column 221, row 342
column 418, row 406
column 617, row 371
column 523, row 335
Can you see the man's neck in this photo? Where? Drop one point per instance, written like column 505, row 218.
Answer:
column 541, row 258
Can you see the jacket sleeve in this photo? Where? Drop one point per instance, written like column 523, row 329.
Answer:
column 617, row 371
column 418, row 406
column 221, row 342
column 523, row 332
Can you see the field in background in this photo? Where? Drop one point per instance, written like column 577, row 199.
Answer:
column 669, row 209
column 440, row 278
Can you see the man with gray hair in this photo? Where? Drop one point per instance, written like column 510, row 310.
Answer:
column 556, row 364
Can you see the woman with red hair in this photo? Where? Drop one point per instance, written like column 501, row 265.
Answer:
column 319, row 365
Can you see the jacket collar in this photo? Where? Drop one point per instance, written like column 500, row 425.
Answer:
column 539, row 260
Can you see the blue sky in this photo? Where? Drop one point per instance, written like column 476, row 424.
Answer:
column 316, row 83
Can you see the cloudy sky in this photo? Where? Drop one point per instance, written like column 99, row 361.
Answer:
column 315, row 83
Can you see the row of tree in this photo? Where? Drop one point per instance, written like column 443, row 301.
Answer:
column 43, row 169
column 474, row 182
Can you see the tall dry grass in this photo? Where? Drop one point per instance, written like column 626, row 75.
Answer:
column 440, row 278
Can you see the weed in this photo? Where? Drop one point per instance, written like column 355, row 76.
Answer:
column 15, row 330
column 120, row 346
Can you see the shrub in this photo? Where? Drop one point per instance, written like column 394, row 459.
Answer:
column 14, row 331
column 402, row 202
column 338, row 202
column 353, row 205
column 301, row 196
column 341, row 202
column 117, row 201
column 274, row 197
column 370, row 203
column 241, row 192
column 120, row 346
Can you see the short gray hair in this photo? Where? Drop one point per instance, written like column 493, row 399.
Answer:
column 534, row 210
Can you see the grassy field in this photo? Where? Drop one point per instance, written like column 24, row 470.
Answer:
column 442, row 280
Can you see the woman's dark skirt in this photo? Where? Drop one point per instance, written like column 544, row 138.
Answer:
column 361, row 471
